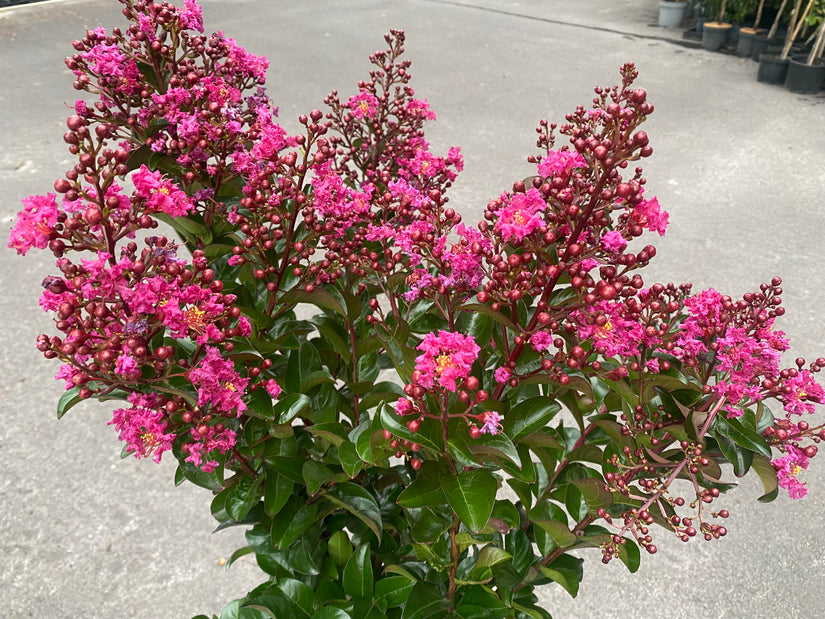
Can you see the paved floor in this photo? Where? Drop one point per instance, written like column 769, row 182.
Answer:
column 739, row 165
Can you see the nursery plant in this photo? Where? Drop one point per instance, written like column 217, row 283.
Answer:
column 412, row 416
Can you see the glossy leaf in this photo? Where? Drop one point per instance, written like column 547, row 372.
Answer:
column 358, row 576
column 394, row 590
column 359, row 503
column 743, row 437
column 471, row 494
column 529, row 416
column 290, row 406
column 425, row 490
column 425, row 602
column 393, row 422
column 349, row 458
column 566, row 571
column 766, row 472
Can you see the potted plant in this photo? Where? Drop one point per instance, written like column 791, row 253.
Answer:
column 383, row 497
column 744, row 45
column 715, row 33
column 772, row 40
column 773, row 68
column 672, row 13
column 806, row 74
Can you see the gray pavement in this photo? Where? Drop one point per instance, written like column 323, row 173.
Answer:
column 739, row 165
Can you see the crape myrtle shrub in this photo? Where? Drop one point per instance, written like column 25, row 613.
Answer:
column 458, row 486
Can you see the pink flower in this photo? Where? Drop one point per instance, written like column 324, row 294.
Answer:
column 541, row 341
column 560, row 162
column 521, row 216
column 613, row 241
column 420, row 109
column 611, row 333
column 787, row 468
column 502, row 375
column 126, row 365
column 191, row 16
column 491, row 422
column 160, row 194
column 144, row 430
column 273, row 389
column 218, row 383
column 35, row 223
column 804, row 390
column 448, row 357
column 363, row 105
column 648, row 213
column 403, row 407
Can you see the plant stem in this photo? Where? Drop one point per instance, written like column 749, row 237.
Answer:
column 455, row 554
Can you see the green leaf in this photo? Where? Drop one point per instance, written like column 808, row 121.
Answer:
column 472, row 495
column 290, row 406
column 529, row 416
column 339, row 548
column 350, row 461
column 329, row 612
column 331, row 431
column 187, row 227
column 500, row 318
column 67, row 401
column 240, row 552
column 394, row 590
column 277, row 490
column 492, row 555
column 359, row 503
column 495, row 445
column 425, row 602
column 315, row 475
column 304, row 518
column 297, row 592
column 566, row 571
column 393, row 423
column 594, row 493
column 629, row 555
column 318, row 297
column 425, row 490
column 242, row 496
column 740, row 458
column 736, row 432
column 766, row 472
column 358, row 576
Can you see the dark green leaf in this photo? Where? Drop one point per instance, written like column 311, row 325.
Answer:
column 529, row 416
column 629, row 555
column 500, row 318
column 425, row 490
column 394, row 590
column 329, row 612
column 315, row 475
column 741, row 436
column 318, row 297
column 358, row 575
column 495, row 445
column 290, row 406
column 359, row 503
column 242, row 496
column 425, row 602
column 277, row 489
column 566, row 571
column 350, row 461
column 740, row 458
column 471, row 494
column 594, row 493
column 394, row 424
column 67, row 401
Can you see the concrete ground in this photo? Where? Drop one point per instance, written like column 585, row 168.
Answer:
column 739, row 165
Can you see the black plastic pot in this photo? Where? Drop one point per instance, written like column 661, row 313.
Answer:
column 714, row 35
column 772, row 69
column 733, row 37
column 805, row 78
column 761, row 43
column 744, row 46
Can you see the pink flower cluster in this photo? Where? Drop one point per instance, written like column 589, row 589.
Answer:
column 34, row 223
column 448, row 358
column 143, row 427
column 560, row 162
column 520, row 216
column 788, row 468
